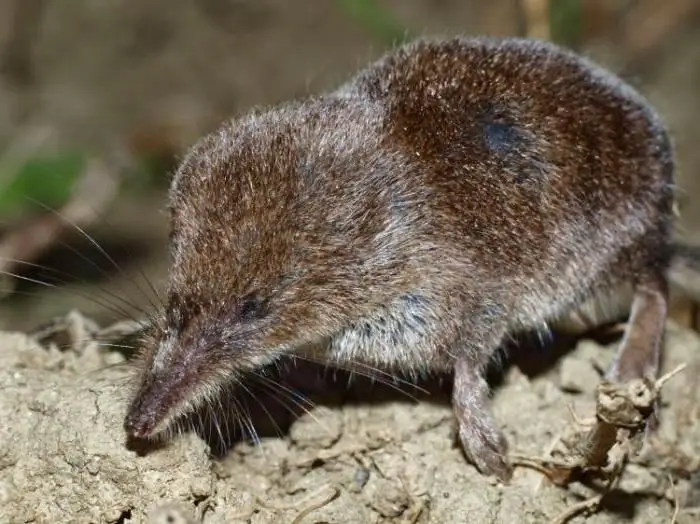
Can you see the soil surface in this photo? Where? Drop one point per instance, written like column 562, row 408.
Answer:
column 361, row 453
column 124, row 74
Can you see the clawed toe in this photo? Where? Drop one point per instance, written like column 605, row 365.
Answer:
column 487, row 450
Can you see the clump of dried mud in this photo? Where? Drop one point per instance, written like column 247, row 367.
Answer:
column 361, row 457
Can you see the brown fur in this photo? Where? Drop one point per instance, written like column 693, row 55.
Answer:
column 451, row 194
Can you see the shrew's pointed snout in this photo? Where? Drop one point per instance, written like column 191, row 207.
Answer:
column 152, row 407
column 142, row 416
column 139, row 423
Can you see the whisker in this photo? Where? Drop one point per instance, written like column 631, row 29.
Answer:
column 216, row 422
column 230, row 424
column 97, row 245
column 278, row 430
column 245, row 421
column 278, row 391
column 152, row 288
column 249, row 420
column 237, row 424
column 97, row 338
column 113, row 308
column 286, row 389
column 139, row 268
column 103, row 302
column 353, row 367
column 42, row 267
column 374, row 374
column 280, row 399
column 104, row 274
column 124, row 363
column 119, row 346
column 201, row 426
column 28, row 279
column 180, row 428
column 239, row 419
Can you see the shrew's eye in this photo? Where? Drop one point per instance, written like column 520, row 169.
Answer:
column 251, row 307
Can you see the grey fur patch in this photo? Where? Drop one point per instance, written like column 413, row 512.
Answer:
column 394, row 336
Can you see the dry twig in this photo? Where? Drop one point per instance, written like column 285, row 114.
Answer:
column 331, row 494
column 586, row 506
column 603, row 445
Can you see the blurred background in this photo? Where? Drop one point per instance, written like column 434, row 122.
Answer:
column 98, row 98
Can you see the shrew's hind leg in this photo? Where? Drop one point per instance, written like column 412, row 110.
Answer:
column 639, row 353
column 480, row 436
column 482, row 440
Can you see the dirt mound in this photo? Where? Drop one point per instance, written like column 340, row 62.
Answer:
column 362, row 456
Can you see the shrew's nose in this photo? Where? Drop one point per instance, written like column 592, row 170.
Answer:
column 139, row 423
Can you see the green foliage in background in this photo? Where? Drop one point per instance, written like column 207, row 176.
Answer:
column 48, row 179
column 377, row 19
column 565, row 18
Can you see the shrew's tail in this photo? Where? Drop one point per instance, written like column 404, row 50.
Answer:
column 685, row 269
